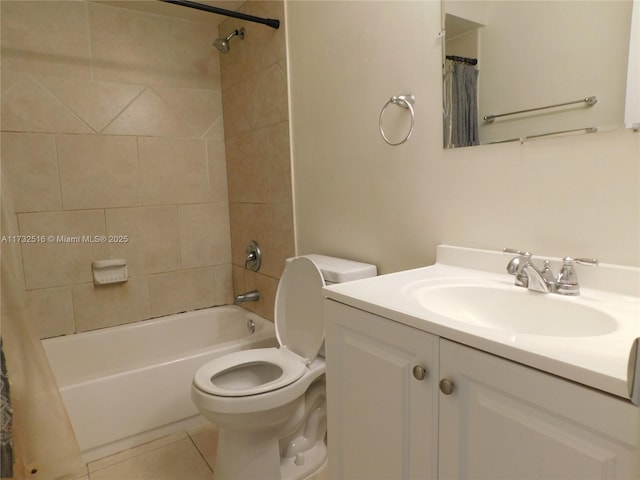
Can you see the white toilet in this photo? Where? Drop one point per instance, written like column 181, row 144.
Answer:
column 269, row 403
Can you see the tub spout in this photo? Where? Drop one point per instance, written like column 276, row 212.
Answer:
column 252, row 296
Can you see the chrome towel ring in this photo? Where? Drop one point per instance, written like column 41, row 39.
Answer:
column 404, row 101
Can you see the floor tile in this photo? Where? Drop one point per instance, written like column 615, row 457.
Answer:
column 179, row 460
column 203, row 427
column 136, row 451
column 207, row 444
column 183, row 455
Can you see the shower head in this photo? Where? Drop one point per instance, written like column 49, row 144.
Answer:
column 222, row 43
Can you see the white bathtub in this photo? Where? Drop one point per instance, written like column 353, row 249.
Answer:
column 126, row 385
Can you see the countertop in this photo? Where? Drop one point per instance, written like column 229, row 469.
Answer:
column 598, row 361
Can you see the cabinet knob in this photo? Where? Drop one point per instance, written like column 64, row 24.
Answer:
column 446, row 386
column 419, row 372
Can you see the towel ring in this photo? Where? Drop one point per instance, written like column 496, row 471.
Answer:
column 404, row 101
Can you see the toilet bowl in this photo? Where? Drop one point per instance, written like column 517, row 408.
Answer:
column 268, row 400
column 269, row 403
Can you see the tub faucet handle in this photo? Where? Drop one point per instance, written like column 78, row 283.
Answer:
column 253, row 258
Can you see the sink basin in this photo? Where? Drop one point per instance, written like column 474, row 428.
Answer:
column 515, row 310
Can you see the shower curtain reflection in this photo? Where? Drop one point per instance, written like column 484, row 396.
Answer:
column 460, row 105
column 44, row 444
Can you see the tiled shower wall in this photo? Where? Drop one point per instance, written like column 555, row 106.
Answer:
column 256, row 125
column 112, row 125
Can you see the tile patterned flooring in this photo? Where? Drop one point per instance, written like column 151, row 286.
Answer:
column 183, row 455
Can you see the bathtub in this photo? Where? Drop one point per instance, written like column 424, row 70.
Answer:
column 129, row 384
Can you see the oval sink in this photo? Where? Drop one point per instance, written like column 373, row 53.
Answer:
column 516, row 310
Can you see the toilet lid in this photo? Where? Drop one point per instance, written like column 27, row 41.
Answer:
column 299, row 310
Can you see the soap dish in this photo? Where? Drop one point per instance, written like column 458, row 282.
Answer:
column 110, row 271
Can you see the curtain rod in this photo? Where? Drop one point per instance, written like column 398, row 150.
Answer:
column 273, row 23
column 468, row 61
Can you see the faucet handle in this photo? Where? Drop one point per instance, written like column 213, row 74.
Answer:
column 592, row 262
column 516, row 264
column 567, row 283
column 516, row 252
column 253, row 256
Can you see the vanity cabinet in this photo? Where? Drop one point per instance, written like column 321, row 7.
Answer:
column 382, row 420
column 491, row 419
column 506, row 420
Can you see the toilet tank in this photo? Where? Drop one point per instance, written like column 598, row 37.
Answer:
column 338, row 270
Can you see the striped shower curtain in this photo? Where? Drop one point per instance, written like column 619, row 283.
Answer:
column 37, row 441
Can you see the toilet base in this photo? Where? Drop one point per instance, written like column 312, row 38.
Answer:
column 292, row 450
column 255, row 455
column 246, row 455
column 305, row 464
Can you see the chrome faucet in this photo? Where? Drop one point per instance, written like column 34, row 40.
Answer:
column 543, row 280
column 540, row 280
column 252, row 296
column 528, row 275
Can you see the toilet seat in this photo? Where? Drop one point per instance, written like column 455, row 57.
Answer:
column 239, row 368
column 300, row 332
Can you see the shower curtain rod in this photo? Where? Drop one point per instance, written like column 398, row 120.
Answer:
column 273, row 23
column 468, row 61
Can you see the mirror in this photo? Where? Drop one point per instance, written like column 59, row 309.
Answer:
column 512, row 59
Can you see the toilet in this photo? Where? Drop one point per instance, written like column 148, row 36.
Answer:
column 269, row 403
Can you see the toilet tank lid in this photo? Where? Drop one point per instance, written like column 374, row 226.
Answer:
column 338, row 270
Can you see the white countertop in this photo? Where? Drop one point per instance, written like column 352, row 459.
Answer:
column 597, row 361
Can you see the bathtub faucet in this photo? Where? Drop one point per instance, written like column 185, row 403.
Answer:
column 252, row 296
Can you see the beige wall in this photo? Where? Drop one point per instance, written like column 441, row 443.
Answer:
column 357, row 197
column 112, row 125
column 256, row 119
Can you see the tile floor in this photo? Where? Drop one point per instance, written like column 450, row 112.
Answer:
column 183, row 455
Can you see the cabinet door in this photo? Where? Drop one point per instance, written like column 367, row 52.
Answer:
column 381, row 419
column 507, row 421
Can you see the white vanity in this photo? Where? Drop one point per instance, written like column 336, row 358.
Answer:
column 452, row 372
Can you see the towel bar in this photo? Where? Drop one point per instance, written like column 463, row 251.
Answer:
column 588, row 100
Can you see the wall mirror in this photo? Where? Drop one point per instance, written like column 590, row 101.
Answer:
column 501, row 57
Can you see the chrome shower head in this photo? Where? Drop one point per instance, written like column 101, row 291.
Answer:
column 222, row 43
